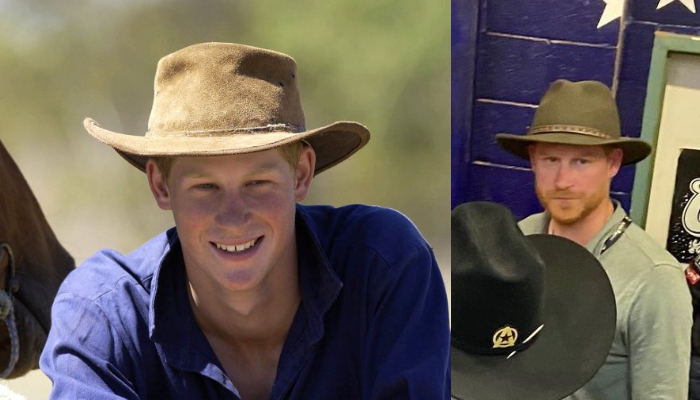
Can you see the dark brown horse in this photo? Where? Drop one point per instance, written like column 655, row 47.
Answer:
column 40, row 264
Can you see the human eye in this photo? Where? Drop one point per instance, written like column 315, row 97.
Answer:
column 257, row 183
column 205, row 186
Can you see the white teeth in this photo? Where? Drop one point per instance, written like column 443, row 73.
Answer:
column 236, row 248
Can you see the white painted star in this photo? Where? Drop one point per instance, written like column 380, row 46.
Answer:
column 689, row 4
column 613, row 11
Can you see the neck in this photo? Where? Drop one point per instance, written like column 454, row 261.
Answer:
column 258, row 318
column 585, row 229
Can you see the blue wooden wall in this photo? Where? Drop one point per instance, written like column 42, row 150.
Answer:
column 464, row 24
column 518, row 49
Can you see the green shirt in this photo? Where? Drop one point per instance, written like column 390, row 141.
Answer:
column 650, row 354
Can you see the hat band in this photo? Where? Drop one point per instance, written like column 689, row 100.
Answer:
column 289, row 128
column 579, row 130
column 498, row 351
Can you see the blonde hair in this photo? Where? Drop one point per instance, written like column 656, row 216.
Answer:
column 290, row 152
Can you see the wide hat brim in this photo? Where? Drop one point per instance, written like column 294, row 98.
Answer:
column 579, row 326
column 332, row 143
column 634, row 150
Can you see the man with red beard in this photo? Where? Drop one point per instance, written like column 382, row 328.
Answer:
column 575, row 149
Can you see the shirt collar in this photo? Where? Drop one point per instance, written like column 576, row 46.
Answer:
column 595, row 245
column 172, row 324
column 320, row 286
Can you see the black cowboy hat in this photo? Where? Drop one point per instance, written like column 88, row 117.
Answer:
column 533, row 317
column 577, row 113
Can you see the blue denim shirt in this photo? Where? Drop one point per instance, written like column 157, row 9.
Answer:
column 372, row 324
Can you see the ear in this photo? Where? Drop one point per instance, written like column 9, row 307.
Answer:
column 159, row 187
column 304, row 172
column 614, row 162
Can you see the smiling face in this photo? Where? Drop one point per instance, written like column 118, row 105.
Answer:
column 573, row 182
column 235, row 215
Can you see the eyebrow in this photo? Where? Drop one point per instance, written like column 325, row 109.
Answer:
column 591, row 153
column 195, row 175
column 261, row 169
column 584, row 153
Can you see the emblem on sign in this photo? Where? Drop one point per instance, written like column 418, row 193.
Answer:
column 691, row 211
column 505, row 337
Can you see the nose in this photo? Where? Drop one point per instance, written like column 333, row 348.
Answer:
column 233, row 210
column 564, row 177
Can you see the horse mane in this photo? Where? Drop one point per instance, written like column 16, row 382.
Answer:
column 41, row 264
column 19, row 209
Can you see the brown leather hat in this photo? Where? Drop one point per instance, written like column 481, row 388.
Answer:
column 224, row 98
column 578, row 113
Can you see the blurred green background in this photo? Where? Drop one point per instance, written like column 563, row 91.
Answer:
column 382, row 63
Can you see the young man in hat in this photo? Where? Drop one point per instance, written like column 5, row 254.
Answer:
column 575, row 149
column 252, row 295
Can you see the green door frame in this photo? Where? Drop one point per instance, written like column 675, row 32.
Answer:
column 664, row 43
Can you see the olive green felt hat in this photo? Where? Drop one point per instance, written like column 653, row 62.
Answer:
column 224, row 98
column 577, row 113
